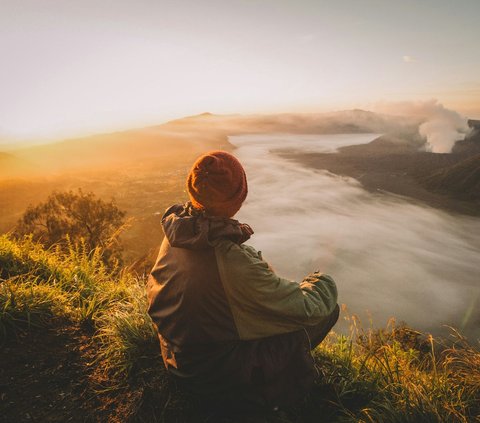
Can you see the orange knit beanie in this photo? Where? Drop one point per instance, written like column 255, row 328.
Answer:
column 217, row 184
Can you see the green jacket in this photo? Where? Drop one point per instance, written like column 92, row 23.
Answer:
column 227, row 323
column 264, row 304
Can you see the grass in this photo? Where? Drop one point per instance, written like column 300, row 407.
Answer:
column 24, row 301
column 395, row 374
column 402, row 376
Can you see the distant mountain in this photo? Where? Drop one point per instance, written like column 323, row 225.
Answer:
column 5, row 157
column 460, row 180
column 345, row 121
column 397, row 165
column 470, row 145
column 11, row 165
column 184, row 139
column 119, row 149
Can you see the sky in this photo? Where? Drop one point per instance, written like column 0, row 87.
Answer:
column 75, row 67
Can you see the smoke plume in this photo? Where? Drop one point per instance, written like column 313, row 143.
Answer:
column 440, row 127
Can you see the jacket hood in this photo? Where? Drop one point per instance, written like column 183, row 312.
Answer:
column 188, row 227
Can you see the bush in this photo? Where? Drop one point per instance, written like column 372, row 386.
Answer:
column 69, row 217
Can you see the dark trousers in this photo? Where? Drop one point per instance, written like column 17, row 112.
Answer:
column 256, row 373
column 319, row 332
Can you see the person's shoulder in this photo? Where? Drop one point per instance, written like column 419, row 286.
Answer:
column 229, row 248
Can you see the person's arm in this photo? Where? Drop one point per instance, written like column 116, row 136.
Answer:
column 253, row 289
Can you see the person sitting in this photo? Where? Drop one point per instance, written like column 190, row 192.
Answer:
column 230, row 329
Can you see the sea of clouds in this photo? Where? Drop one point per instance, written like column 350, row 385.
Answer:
column 389, row 255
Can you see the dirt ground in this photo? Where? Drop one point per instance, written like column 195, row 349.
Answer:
column 50, row 375
column 45, row 376
column 42, row 375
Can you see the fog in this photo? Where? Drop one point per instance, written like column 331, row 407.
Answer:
column 389, row 256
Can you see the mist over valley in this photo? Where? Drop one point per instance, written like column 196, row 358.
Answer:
column 391, row 256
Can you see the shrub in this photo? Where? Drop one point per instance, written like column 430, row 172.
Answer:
column 77, row 217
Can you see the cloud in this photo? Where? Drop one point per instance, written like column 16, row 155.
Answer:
column 409, row 59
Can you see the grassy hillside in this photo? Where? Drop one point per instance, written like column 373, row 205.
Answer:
column 78, row 345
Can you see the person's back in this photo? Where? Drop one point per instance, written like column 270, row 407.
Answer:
column 230, row 328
